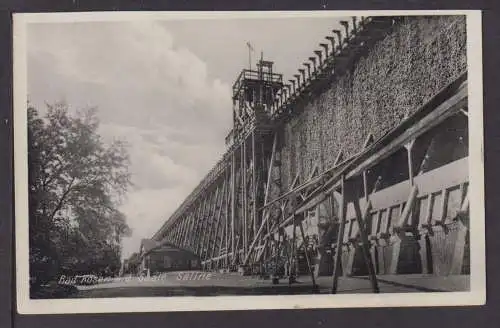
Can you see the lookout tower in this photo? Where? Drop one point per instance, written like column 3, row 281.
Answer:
column 254, row 93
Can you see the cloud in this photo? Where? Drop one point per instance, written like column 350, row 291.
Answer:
column 153, row 89
column 149, row 91
column 138, row 73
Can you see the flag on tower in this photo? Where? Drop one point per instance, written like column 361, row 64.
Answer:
column 250, row 49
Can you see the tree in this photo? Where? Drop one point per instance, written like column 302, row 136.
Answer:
column 76, row 183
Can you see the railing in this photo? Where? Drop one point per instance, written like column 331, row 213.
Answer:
column 247, row 74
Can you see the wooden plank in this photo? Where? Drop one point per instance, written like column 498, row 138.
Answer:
column 361, row 218
column 465, row 203
column 244, row 194
column 209, row 224
column 199, row 224
column 459, row 250
column 428, row 213
column 254, row 186
column 403, row 219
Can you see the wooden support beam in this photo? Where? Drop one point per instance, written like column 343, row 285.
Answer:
column 339, row 158
column 176, row 235
column 178, row 232
column 222, row 227
column 254, row 190
column 209, row 223
column 365, row 244
column 187, row 220
column 233, row 201
column 293, row 255
column 465, row 204
column 192, row 225
column 185, row 226
column 196, row 222
column 317, row 181
column 227, row 219
column 403, row 219
column 257, row 238
column 199, row 224
column 190, row 232
column 270, row 169
column 309, row 264
column 340, row 237
column 214, row 226
column 409, row 148
column 244, row 195
column 215, row 217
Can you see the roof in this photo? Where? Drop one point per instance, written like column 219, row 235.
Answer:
column 149, row 244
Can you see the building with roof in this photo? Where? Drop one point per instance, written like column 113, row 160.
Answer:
column 155, row 258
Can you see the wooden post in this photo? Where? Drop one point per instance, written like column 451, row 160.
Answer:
column 201, row 224
column 409, row 148
column 403, row 219
column 293, row 266
column 365, row 185
column 196, row 221
column 188, row 219
column 208, row 222
column 214, row 229
column 257, row 237
column 185, row 225
column 226, row 225
column 233, row 201
column 254, row 187
column 266, row 212
column 362, row 218
column 398, row 229
column 270, row 174
column 177, row 233
column 309, row 267
column 340, row 236
column 244, row 196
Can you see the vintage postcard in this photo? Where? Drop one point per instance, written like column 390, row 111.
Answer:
column 185, row 161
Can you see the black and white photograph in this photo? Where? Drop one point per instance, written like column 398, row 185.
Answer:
column 185, row 161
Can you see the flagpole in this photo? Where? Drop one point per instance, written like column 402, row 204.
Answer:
column 249, row 55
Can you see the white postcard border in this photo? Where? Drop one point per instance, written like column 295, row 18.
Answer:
column 25, row 305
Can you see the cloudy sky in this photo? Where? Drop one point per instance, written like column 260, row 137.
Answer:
column 164, row 86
